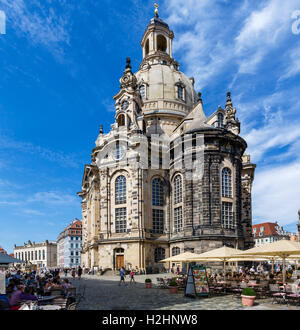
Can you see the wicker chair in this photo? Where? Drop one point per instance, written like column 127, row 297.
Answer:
column 277, row 295
column 72, row 306
column 292, row 294
column 62, row 302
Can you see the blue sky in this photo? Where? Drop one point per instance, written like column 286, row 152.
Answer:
column 60, row 67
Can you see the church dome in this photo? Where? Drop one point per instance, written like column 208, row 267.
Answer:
column 161, row 82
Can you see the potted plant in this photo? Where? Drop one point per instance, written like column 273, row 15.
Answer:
column 148, row 283
column 173, row 286
column 248, row 297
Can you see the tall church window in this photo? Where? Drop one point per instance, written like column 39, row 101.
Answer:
column 120, row 220
column 227, row 215
column 175, row 251
column 220, row 119
column 159, row 254
column 177, row 219
column 157, row 221
column 226, row 183
column 177, row 189
column 120, row 190
column 157, row 192
column 142, row 91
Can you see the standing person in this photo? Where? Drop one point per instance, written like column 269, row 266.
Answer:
column 79, row 272
column 66, row 272
column 132, row 273
column 73, row 273
column 178, row 270
column 122, row 276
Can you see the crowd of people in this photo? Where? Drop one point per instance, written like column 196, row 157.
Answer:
column 29, row 285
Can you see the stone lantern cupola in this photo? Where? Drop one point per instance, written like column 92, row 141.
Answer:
column 157, row 39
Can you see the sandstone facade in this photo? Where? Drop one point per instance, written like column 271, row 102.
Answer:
column 165, row 179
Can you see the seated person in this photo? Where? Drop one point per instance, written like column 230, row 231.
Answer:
column 27, row 294
column 49, row 285
column 15, row 297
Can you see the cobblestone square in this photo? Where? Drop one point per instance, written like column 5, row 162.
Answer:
column 104, row 293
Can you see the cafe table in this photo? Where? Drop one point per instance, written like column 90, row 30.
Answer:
column 50, row 307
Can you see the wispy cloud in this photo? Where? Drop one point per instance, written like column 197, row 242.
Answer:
column 59, row 157
column 40, row 23
column 53, row 198
column 33, row 212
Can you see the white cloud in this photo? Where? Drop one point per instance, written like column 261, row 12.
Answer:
column 33, row 212
column 276, row 193
column 53, row 198
column 39, row 23
column 45, row 153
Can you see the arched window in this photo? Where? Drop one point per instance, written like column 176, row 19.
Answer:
column 177, row 189
column 157, row 192
column 120, row 190
column 161, row 43
column 121, row 120
column 159, row 254
column 226, row 183
column 175, row 251
column 220, row 119
column 147, row 47
column 142, row 90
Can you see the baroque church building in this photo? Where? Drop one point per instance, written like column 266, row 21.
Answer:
column 145, row 199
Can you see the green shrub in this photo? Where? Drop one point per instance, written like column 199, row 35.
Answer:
column 173, row 283
column 148, row 280
column 248, row 292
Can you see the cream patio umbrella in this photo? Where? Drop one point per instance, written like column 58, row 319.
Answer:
column 223, row 253
column 182, row 257
column 283, row 249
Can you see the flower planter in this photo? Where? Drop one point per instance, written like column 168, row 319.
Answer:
column 148, row 285
column 248, row 300
column 173, row 289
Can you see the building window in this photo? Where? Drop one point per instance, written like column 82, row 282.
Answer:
column 120, row 189
column 71, row 245
column 157, row 221
column 72, row 253
column 159, row 254
column 120, row 220
column 40, row 255
column 220, row 119
column 227, row 215
column 157, row 192
column 180, row 92
column 43, row 254
column 71, row 238
column 177, row 189
column 72, row 261
column 121, row 120
column 76, row 261
column 35, row 255
column 178, row 219
column 175, row 251
column 142, row 90
column 226, row 183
